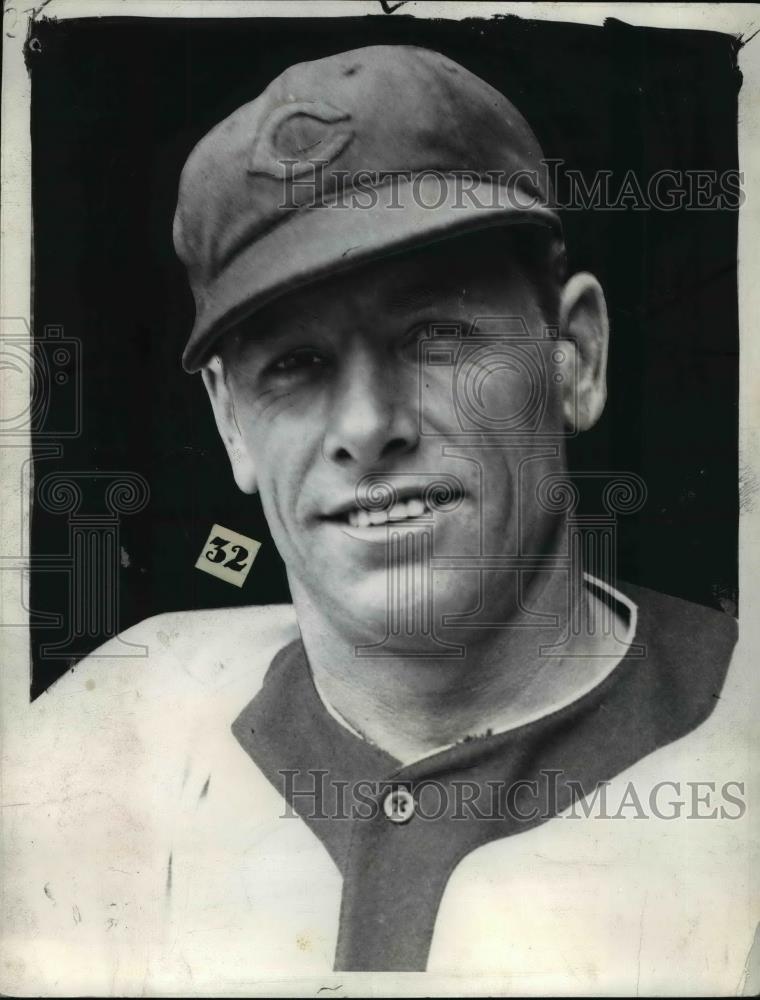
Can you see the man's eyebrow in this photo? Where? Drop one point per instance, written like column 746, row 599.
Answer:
column 265, row 332
column 417, row 293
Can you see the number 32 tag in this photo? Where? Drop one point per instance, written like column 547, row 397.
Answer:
column 228, row 555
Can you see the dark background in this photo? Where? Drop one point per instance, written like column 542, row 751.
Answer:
column 117, row 105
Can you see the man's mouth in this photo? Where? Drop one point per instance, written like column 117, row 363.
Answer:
column 407, row 505
column 405, row 511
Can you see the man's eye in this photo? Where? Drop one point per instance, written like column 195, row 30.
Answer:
column 297, row 361
column 411, row 344
column 411, row 340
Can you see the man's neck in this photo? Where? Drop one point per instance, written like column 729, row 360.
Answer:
column 411, row 706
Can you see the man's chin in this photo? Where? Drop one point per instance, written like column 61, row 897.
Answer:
column 364, row 609
column 360, row 607
column 402, row 607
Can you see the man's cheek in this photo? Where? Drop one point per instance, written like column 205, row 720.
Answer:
column 485, row 393
column 437, row 401
column 282, row 468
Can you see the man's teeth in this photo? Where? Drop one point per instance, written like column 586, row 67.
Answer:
column 401, row 511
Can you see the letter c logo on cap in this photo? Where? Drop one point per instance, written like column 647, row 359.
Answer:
column 293, row 130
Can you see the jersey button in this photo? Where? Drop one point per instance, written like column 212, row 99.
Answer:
column 399, row 805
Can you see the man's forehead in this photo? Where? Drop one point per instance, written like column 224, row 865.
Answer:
column 413, row 289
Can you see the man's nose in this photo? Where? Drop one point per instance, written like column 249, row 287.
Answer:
column 373, row 413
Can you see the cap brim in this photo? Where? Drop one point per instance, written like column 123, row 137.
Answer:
column 314, row 243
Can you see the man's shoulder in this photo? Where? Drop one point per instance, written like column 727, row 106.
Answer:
column 109, row 773
column 675, row 624
column 129, row 715
column 197, row 637
column 179, row 655
column 695, row 663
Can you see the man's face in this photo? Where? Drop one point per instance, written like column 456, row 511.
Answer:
column 336, row 383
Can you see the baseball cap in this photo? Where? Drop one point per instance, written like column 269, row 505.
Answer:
column 340, row 161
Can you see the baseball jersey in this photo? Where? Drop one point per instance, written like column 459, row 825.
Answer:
column 188, row 822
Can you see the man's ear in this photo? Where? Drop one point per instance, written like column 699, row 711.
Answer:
column 222, row 403
column 583, row 320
